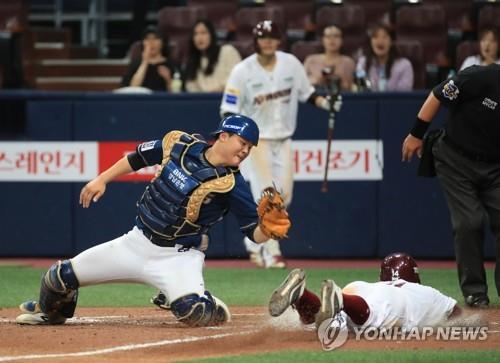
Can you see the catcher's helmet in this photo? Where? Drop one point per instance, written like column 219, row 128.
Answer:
column 240, row 125
column 399, row 265
column 266, row 28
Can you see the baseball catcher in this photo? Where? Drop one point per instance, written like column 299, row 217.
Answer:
column 196, row 185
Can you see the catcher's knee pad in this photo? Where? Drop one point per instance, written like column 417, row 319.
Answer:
column 59, row 290
column 195, row 310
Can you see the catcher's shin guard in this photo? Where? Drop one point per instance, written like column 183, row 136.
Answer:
column 59, row 291
column 222, row 314
column 194, row 310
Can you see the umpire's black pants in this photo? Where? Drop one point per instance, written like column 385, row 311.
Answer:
column 472, row 190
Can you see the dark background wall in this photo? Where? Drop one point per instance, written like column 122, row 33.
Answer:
column 355, row 218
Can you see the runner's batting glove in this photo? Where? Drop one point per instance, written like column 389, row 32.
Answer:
column 273, row 217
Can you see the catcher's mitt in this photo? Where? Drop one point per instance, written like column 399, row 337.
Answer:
column 273, row 218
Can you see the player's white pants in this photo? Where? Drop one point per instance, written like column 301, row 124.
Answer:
column 133, row 258
column 402, row 304
column 270, row 163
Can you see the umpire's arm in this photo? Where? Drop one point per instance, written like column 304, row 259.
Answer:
column 413, row 142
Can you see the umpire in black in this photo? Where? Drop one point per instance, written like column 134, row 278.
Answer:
column 467, row 163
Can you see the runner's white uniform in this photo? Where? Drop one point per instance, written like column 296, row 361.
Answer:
column 271, row 99
column 401, row 304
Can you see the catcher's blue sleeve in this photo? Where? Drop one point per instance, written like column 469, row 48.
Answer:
column 146, row 154
column 243, row 206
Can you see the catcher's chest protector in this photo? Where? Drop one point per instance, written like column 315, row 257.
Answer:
column 171, row 204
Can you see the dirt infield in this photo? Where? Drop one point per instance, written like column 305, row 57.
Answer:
column 152, row 335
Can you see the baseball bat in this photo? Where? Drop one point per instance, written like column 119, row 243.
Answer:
column 333, row 90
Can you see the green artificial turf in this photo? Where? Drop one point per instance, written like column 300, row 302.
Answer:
column 372, row 356
column 246, row 287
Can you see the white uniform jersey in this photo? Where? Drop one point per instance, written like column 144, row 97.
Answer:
column 270, row 98
column 402, row 304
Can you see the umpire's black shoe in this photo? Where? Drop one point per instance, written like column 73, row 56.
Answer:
column 477, row 301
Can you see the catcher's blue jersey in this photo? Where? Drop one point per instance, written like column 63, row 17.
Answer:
column 188, row 194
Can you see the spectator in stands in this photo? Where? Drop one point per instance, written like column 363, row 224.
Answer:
column 11, row 55
column 385, row 69
column 342, row 65
column 488, row 50
column 154, row 69
column 208, row 65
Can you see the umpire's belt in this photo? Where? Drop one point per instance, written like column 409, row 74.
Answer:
column 469, row 154
column 157, row 240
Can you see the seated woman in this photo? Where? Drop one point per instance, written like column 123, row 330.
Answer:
column 488, row 50
column 208, row 65
column 385, row 69
column 342, row 65
column 154, row 69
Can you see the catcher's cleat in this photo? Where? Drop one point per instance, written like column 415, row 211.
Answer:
column 161, row 301
column 30, row 307
column 222, row 313
column 288, row 292
column 331, row 301
column 39, row 319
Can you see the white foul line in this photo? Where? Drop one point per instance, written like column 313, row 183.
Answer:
column 122, row 347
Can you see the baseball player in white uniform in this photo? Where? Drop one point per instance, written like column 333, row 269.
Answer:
column 196, row 185
column 397, row 300
column 266, row 87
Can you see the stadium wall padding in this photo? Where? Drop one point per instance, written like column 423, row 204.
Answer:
column 358, row 219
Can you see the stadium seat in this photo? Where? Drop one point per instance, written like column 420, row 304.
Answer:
column 458, row 13
column 298, row 16
column 247, row 18
column 220, row 12
column 349, row 18
column 465, row 49
column 412, row 49
column 427, row 24
column 176, row 22
column 245, row 47
column 10, row 9
column 301, row 49
column 489, row 17
column 376, row 11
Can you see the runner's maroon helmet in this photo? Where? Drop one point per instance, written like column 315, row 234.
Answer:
column 399, row 265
